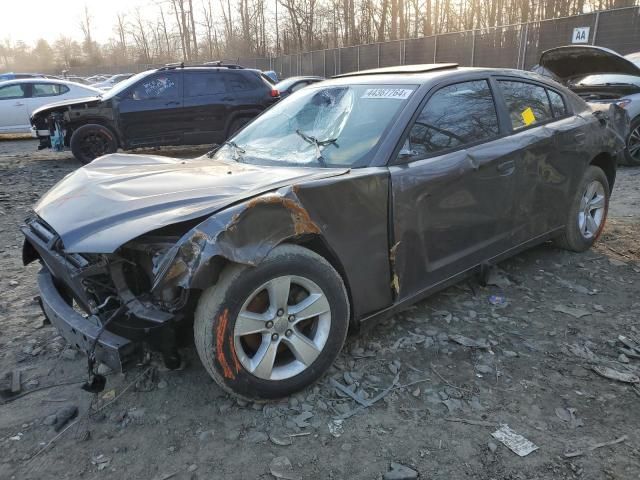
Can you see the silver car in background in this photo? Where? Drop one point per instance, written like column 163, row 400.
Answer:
column 600, row 75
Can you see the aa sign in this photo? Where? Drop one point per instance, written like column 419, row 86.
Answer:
column 580, row 35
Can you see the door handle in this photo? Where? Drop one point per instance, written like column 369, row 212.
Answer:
column 506, row 168
column 168, row 104
column 18, row 104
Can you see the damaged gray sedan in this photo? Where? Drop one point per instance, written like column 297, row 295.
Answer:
column 344, row 203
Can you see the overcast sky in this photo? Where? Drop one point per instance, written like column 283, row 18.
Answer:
column 29, row 20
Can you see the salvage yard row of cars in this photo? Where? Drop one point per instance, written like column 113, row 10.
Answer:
column 343, row 203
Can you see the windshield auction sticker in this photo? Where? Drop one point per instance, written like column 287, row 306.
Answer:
column 397, row 93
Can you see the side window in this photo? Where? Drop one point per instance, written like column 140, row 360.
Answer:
column 163, row 86
column 48, row 89
column 238, row 83
column 527, row 103
column 456, row 115
column 199, row 84
column 13, row 91
column 557, row 104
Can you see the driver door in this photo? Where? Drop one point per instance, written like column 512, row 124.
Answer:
column 452, row 188
column 151, row 111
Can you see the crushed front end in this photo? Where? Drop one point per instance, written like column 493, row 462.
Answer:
column 101, row 303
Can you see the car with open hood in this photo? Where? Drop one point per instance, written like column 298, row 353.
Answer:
column 344, row 203
column 600, row 75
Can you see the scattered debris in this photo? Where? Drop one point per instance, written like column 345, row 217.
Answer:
column 400, row 472
column 469, row 342
column 350, row 393
column 280, row 467
column 281, row 440
column 569, row 415
column 498, row 278
column 577, row 453
column 612, row 374
column 572, row 311
column 335, row 427
column 481, row 423
column 101, row 461
column 516, row 443
column 64, row 415
column 15, row 381
column 498, row 300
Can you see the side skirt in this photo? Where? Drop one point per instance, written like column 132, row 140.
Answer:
column 372, row 319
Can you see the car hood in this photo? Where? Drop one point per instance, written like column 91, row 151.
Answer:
column 119, row 197
column 569, row 62
column 88, row 101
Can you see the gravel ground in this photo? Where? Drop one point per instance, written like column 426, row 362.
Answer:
column 532, row 368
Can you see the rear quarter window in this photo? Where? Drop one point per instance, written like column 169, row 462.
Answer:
column 527, row 103
column 557, row 104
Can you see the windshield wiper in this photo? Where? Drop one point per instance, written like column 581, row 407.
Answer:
column 318, row 143
column 237, row 151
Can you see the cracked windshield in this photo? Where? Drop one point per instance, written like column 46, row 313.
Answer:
column 331, row 126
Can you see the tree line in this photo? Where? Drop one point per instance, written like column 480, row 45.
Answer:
column 203, row 30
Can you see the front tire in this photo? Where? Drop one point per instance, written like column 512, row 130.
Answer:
column 587, row 213
column 92, row 141
column 271, row 330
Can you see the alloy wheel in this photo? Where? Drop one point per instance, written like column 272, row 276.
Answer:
column 592, row 210
column 282, row 327
column 633, row 144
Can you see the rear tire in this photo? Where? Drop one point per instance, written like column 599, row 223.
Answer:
column 587, row 212
column 632, row 151
column 92, row 141
column 271, row 330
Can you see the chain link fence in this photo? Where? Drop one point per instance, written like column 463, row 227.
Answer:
column 511, row 46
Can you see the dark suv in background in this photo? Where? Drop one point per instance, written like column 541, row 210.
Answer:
column 173, row 105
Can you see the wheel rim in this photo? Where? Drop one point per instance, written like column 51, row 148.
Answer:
column 94, row 145
column 592, row 210
column 633, row 144
column 282, row 327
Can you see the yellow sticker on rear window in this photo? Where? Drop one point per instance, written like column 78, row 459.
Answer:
column 527, row 116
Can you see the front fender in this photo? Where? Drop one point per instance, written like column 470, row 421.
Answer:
column 244, row 233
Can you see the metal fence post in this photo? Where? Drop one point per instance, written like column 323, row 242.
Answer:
column 435, row 47
column 324, row 64
column 473, row 47
column 526, row 44
column 358, row 59
column 378, row 55
column 595, row 28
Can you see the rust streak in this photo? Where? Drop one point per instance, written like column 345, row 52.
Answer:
column 220, row 331
column 234, row 357
column 302, row 222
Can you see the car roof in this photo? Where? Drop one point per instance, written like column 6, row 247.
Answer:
column 420, row 74
column 54, row 81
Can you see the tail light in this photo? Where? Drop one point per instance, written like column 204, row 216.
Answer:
column 275, row 93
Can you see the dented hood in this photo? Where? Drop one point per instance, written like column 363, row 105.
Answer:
column 570, row 62
column 119, row 197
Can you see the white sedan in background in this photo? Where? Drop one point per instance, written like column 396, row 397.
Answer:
column 18, row 98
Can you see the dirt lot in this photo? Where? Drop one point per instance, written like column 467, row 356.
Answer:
column 561, row 317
